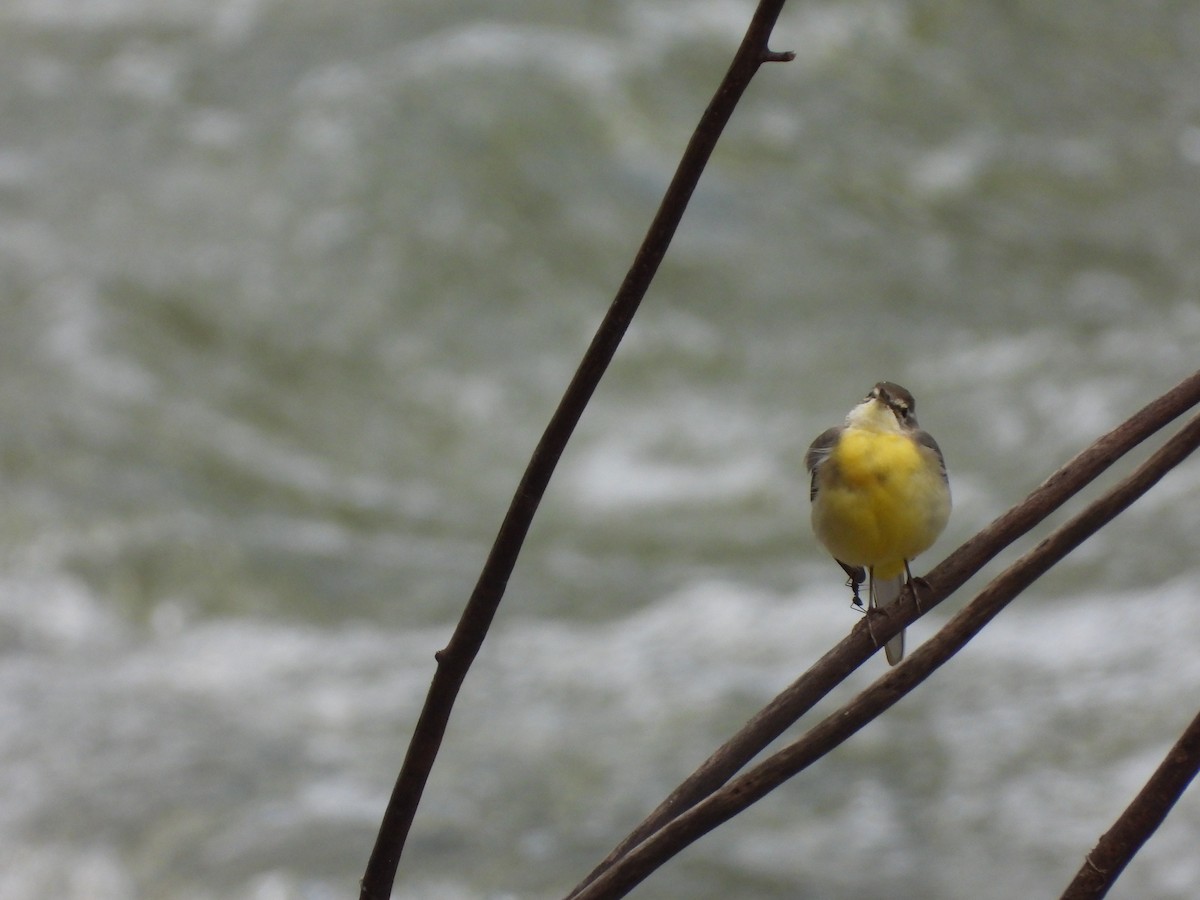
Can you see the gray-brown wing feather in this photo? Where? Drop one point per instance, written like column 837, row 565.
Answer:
column 818, row 452
column 813, row 460
column 925, row 439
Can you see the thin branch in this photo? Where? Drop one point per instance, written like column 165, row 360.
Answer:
column 858, row 646
column 1140, row 820
column 455, row 659
column 628, row 871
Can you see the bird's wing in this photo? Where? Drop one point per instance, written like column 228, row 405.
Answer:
column 819, row 452
column 925, row 439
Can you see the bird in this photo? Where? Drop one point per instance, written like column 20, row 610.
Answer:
column 880, row 495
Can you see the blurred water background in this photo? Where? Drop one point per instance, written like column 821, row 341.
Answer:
column 288, row 290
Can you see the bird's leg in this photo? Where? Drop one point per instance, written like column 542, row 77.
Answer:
column 918, row 585
column 855, row 577
column 873, row 609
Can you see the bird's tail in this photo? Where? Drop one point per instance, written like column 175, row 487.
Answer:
column 885, row 592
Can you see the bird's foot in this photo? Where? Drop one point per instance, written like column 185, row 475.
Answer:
column 919, row 586
column 874, row 612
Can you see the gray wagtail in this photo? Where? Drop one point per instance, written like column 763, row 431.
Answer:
column 879, row 494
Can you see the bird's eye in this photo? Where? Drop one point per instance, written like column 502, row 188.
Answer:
column 900, row 409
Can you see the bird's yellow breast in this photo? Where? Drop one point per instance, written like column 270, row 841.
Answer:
column 881, row 500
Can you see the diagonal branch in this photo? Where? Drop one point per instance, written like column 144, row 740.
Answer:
column 851, row 652
column 740, row 793
column 1140, row 820
column 455, row 659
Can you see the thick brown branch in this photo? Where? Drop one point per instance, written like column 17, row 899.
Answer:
column 455, row 659
column 628, row 871
column 834, row 666
column 1140, row 820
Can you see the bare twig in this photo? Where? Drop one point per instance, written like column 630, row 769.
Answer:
column 1140, row 820
column 629, row 870
column 850, row 653
column 456, row 658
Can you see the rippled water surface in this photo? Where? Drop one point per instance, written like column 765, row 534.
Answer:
column 288, row 291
